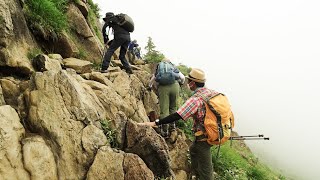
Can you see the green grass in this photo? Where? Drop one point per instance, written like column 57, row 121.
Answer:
column 46, row 15
column 95, row 8
column 93, row 15
column 237, row 162
column 33, row 53
column 82, row 54
column 96, row 66
column 109, row 132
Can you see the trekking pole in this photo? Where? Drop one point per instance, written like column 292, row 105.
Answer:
column 251, row 138
column 259, row 135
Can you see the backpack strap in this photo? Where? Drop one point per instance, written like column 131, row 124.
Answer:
column 206, row 101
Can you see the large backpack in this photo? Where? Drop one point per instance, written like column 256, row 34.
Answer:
column 165, row 73
column 126, row 22
column 219, row 119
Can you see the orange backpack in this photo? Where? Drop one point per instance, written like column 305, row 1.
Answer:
column 219, row 119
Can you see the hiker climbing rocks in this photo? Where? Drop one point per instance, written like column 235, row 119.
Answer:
column 168, row 78
column 132, row 45
column 136, row 51
column 201, row 158
column 121, row 39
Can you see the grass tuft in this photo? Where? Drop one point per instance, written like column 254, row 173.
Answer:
column 46, row 16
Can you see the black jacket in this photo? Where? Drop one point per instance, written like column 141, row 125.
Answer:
column 118, row 31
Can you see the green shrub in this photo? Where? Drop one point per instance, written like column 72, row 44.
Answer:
column 93, row 15
column 184, row 69
column 186, row 126
column 256, row 173
column 96, row 66
column 109, row 132
column 95, row 8
column 61, row 4
column 33, row 53
column 46, row 15
column 82, row 54
column 239, row 163
column 152, row 55
column 229, row 163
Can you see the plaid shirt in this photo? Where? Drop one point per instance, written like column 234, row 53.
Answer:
column 194, row 107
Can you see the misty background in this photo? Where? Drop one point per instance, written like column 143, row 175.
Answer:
column 264, row 55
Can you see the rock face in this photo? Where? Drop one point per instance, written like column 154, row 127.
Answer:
column 79, row 65
column 38, row 159
column 62, row 111
column 86, row 41
column 11, row 134
column 44, row 63
column 124, row 166
column 53, row 108
column 15, row 38
column 150, row 146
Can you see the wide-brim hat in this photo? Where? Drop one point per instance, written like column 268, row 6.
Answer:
column 166, row 59
column 108, row 16
column 197, row 75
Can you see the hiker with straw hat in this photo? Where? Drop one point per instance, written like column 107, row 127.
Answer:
column 201, row 159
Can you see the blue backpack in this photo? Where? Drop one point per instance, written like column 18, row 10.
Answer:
column 166, row 73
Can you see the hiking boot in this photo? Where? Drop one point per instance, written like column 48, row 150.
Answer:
column 103, row 70
column 129, row 70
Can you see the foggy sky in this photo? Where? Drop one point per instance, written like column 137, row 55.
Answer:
column 264, row 55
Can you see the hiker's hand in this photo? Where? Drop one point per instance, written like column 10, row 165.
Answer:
column 152, row 124
column 149, row 88
column 105, row 40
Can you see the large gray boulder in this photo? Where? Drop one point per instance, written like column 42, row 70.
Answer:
column 86, row 41
column 60, row 108
column 38, row 158
column 80, row 66
column 15, row 39
column 150, row 146
column 121, row 165
column 43, row 63
column 11, row 133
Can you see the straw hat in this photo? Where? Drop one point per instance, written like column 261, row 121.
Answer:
column 166, row 59
column 197, row 75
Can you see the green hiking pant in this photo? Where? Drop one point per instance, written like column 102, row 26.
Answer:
column 201, row 160
column 168, row 96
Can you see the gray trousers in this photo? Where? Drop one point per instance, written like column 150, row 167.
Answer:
column 201, row 160
column 168, row 96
